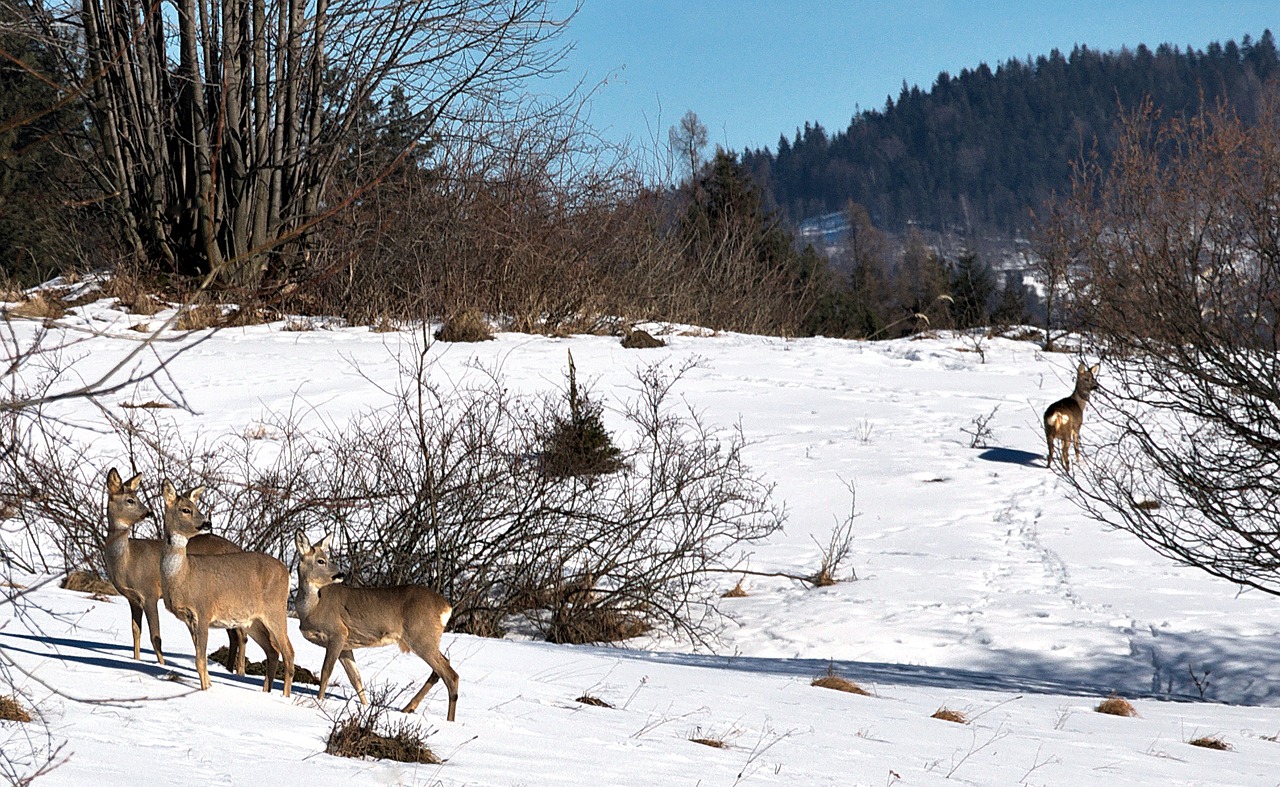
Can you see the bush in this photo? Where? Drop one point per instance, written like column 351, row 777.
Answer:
column 467, row 325
column 356, row 733
column 578, row 443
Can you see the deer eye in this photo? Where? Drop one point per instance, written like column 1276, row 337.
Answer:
column 320, row 561
column 186, row 510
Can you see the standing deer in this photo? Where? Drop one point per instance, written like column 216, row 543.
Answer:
column 247, row 590
column 341, row 618
column 133, row 565
column 1062, row 419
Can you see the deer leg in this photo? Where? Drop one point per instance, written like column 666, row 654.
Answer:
column 236, row 642
column 200, row 636
column 153, row 626
column 262, row 636
column 135, row 613
column 348, row 660
column 280, row 639
column 441, row 669
column 1048, row 436
column 333, row 648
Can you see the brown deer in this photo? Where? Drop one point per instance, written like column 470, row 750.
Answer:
column 133, row 565
column 247, row 590
column 341, row 618
column 1063, row 418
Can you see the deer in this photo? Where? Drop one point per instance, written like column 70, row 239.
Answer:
column 246, row 590
column 340, row 618
column 133, row 565
column 1063, row 418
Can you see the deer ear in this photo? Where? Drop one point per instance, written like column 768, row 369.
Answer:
column 133, row 483
column 1094, row 369
column 300, row 540
column 168, row 492
column 194, row 493
column 323, row 543
column 114, row 487
column 1081, row 368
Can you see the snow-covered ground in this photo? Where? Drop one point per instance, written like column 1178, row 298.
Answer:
column 980, row 587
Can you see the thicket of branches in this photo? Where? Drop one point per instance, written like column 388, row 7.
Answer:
column 447, row 487
column 1179, row 239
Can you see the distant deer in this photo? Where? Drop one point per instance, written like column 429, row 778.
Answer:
column 247, row 590
column 133, row 565
column 1063, row 418
column 341, row 618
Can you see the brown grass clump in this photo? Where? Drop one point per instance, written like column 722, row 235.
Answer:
column 595, row 702
column 582, row 625
column 1116, row 706
column 737, row 591
column 38, row 307
column 132, row 295
column 1211, row 742
column 200, row 316
column 12, row 710
column 714, row 743
column 300, row 673
column 88, row 582
column 641, row 340
column 466, row 325
column 946, row 714
column 150, row 404
column 357, row 736
column 833, row 681
column 141, row 327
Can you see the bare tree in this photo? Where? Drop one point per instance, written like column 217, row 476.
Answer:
column 688, row 140
column 222, row 124
column 1182, row 293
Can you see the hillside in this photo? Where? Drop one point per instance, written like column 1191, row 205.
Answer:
column 978, row 150
column 974, row 584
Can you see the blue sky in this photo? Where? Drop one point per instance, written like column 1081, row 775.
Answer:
column 754, row 69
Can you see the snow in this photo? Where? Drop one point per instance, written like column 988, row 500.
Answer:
column 980, row 587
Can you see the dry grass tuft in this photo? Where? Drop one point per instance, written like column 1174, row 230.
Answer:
column 736, row 592
column 641, row 340
column 1211, row 742
column 714, row 743
column 356, row 735
column 88, row 582
column 200, row 316
column 141, row 327
column 1116, row 706
column 595, row 702
column 38, row 307
column 833, row 681
column 466, row 325
column 151, row 404
column 384, row 325
column 300, row 673
column 12, row 710
column 946, row 714
column 574, row 624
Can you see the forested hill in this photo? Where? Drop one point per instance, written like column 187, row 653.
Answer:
column 978, row 150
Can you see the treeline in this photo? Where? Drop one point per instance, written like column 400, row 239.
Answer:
column 979, row 150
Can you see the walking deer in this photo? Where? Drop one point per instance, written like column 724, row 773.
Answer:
column 133, row 565
column 1062, row 419
column 341, row 618
column 247, row 590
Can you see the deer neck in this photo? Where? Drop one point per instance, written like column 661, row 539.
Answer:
column 117, row 546
column 174, row 562
column 306, row 599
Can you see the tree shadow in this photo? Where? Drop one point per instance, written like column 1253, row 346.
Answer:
column 1012, row 456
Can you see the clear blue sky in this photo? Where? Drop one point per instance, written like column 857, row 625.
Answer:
column 754, row 69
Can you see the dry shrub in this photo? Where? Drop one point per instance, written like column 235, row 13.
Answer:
column 300, row 673
column 736, row 592
column 1116, row 706
column 465, row 325
column 1211, row 742
column 38, row 307
column 833, row 681
column 385, row 325
column 150, row 404
column 88, row 582
column 200, row 316
column 131, row 294
column 946, row 714
column 574, row 624
column 298, row 325
column 637, row 339
column 356, row 734
column 12, row 710
column 595, row 702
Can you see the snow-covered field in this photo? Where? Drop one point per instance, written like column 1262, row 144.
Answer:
column 980, row 587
